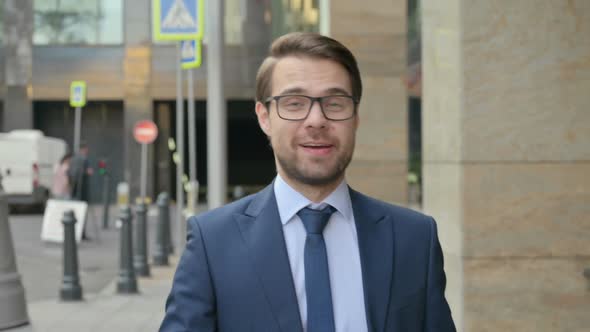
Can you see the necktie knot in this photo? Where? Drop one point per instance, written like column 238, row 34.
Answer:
column 314, row 221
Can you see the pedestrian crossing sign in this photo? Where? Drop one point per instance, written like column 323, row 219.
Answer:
column 190, row 51
column 78, row 94
column 178, row 19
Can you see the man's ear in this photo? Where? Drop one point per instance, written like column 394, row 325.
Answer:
column 263, row 118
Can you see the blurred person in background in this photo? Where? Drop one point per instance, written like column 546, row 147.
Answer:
column 61, row 184
column 79, row 174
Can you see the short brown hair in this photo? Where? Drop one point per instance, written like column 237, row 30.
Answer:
column 307, row 44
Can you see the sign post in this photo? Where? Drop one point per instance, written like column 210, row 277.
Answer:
column 77, row 100
column 191, row 58
column 145, row 132
column 176, row 20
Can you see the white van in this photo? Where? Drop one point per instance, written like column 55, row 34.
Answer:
column 27, row 161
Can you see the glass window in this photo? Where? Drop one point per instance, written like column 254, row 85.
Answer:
column 90, row 22
column 294, row 15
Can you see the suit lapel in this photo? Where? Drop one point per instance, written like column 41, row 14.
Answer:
column 375, row 237
column 262, row 231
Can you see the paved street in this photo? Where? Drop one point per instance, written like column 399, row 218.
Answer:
column 40, row 265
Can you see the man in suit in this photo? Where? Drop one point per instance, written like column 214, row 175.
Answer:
column 308, row 253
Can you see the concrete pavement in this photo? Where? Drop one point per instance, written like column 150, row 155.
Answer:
column 106, row 311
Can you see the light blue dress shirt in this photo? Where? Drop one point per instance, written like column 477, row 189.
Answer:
column 344, row 262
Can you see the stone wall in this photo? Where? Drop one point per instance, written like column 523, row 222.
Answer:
column 507, row 160
column 376, row 34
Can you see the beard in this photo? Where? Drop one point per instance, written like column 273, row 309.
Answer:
column 314, row 174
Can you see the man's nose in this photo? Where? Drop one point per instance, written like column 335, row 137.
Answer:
column 316, row 116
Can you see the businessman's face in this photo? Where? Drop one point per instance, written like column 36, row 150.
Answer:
column 315, row 150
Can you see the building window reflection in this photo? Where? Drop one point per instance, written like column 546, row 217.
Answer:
column 294, row 15
column 92, row 22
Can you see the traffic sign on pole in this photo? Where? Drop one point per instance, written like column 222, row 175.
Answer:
column 145, row 132
column 190, row 51
column 178, row 19
column 78, row 94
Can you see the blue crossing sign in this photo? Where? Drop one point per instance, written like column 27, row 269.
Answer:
column 178, row 19
column 190, row 52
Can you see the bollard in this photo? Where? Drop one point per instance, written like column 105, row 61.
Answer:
column 106, row 197
column 162, row 249
column 70, row 286
column 122, row 193
column 166, row 215
column 140, row 261
column 127, row 283
column 13, row 307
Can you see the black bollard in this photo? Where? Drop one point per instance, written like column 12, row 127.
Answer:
column 140, row 258
column 168, row 238
column 127, row 283
column 70, row 286
column 162, row 249
column 106, row 197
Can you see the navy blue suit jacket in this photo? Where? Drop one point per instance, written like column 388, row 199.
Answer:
column 234, row 274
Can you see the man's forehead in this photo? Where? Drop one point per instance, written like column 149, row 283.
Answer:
column 293, row 74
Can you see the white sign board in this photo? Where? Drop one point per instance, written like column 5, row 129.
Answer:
column 53, row 230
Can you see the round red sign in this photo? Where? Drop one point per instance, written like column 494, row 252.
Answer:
column 145, row 132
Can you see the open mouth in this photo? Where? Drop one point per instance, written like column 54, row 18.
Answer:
column 318, row 149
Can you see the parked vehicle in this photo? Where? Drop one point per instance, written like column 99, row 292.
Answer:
column 27, row 161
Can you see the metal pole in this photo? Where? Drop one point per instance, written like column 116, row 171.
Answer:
column 127, row 282
column 70, row 286
column 216, row 110
column 143, row 172
column 141, row 246
column 325, row 17
column 192, row 142
column 162, row 250
column 180, row 152
column 77, row 129
column 106, row 197
column 13, row 307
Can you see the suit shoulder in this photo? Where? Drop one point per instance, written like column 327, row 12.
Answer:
column 219, row 217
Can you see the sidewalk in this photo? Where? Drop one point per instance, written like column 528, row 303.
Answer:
column 40, row 266
column 107, row 310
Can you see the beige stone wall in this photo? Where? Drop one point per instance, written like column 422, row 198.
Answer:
column 376, row 34
column 507, row 159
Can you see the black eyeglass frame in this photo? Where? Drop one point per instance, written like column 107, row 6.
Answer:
column 313, row 100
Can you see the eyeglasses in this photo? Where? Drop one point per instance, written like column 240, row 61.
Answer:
column 298, row 107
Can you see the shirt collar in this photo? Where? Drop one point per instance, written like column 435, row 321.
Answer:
column 289, row 201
